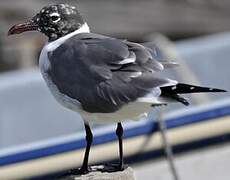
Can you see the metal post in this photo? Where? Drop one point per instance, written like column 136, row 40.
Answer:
column 166, row 145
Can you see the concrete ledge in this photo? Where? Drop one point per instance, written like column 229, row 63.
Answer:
column 127, row 174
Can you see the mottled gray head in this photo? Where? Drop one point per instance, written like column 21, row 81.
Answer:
column 54, row 21
column 58, row 20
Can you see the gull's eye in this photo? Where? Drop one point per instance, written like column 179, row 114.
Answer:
column 55, row 17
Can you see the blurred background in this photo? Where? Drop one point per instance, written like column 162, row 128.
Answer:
column 194, row 33
column 133, row 20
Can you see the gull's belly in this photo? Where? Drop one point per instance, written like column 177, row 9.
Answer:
column 132, row 111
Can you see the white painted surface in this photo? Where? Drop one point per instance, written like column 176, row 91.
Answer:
column 211, row 164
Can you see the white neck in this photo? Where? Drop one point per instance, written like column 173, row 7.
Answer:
column 54, row 44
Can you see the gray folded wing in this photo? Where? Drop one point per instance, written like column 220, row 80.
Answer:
column 104, row 73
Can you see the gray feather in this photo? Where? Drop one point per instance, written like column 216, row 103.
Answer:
column 103, row 73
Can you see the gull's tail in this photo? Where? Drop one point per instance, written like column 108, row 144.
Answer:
column 173, row 92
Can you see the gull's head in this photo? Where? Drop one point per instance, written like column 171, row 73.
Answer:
column 54, row 21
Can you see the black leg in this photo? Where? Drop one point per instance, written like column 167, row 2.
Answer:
column 84, row 168
column 89, row 138
column 119, row 132
column 120, row 166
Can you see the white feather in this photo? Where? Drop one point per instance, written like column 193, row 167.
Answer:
column 135, row 74
column 130, row 59
column 54, row 44
column 170, row 83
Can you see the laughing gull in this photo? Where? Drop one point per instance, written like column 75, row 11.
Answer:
column 102, row 78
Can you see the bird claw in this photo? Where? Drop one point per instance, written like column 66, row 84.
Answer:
column 79, row 171
column 112, row 168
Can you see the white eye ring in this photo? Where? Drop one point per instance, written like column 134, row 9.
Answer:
column 55, row 15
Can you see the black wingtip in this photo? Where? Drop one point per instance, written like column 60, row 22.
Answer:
column 187, row 88
column 217, row 90
column 213, row 89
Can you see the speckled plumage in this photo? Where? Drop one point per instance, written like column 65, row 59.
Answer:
column 69, row 19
